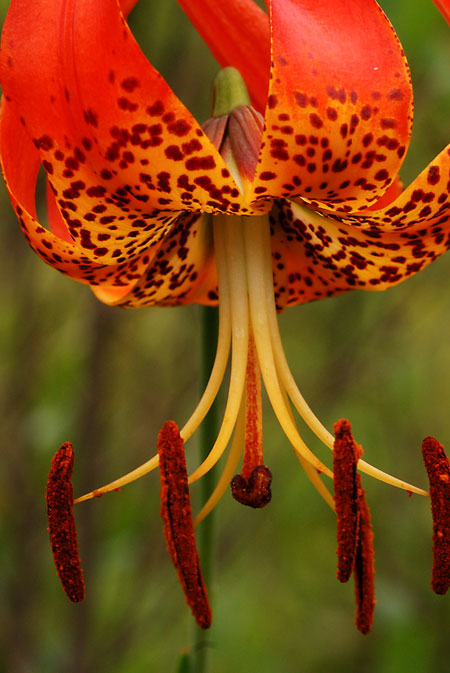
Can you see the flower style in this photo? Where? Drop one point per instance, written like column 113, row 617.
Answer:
column 249, row 213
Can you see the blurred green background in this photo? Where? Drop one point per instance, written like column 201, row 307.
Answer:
column 107, row 379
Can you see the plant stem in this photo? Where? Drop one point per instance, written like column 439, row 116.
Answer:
column 209, row 429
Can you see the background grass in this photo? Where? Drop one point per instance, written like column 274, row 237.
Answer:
column 107, row 379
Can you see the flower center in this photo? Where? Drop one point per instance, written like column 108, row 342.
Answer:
column 248, row 323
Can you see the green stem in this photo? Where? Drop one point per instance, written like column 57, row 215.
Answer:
column 209, row 429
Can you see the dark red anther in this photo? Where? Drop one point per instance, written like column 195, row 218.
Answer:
column 354, row 531
column 345, row 458
column 438, row 468
column 364, row 566
column 176, row 513
column 252, row 486
column 61, row 523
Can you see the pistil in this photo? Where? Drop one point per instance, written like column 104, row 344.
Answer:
column 252, row 486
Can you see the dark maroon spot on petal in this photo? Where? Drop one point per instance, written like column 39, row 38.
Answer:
column 433, row 176
column 301, row 98
column 332, row 114
column 315, row 120
column 155, row 110
column 173, row 152
column 200, row 163
column 396, row 94
column 44, row 143
column 381, row 175
column 388, row 123
column 366, row 112
column 179, row 128
column 130, row 84
column 126, row 104
column 91, row 117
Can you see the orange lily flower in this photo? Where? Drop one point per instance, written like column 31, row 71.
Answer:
column 249, row 213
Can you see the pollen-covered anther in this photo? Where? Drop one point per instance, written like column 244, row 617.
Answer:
column 255, row 491
column 61, row 523
column 176, row 513
column 345, row 458
column 438, row 468
column 364, row 566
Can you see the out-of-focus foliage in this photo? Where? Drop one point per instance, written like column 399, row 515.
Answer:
column 107, row 379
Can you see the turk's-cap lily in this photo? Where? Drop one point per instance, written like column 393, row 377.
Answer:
column 288, row 194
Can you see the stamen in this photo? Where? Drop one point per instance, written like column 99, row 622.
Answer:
column 252, row 486
column 364, row 568
column 176, row 513
column 438, row 468
column 345, row 458
column 61, row 524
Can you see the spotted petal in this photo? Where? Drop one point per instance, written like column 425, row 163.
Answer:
column 317, row 257
column 20, row 164
column 237, row 32
column 339, row 111
column 425, row 202
column 182, row 272
column 110, row 132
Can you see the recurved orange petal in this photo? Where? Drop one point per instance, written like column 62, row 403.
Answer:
column 20, row 164
column 237, row 32
column 315, row 256
column 115, row 141
column 339, row 110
